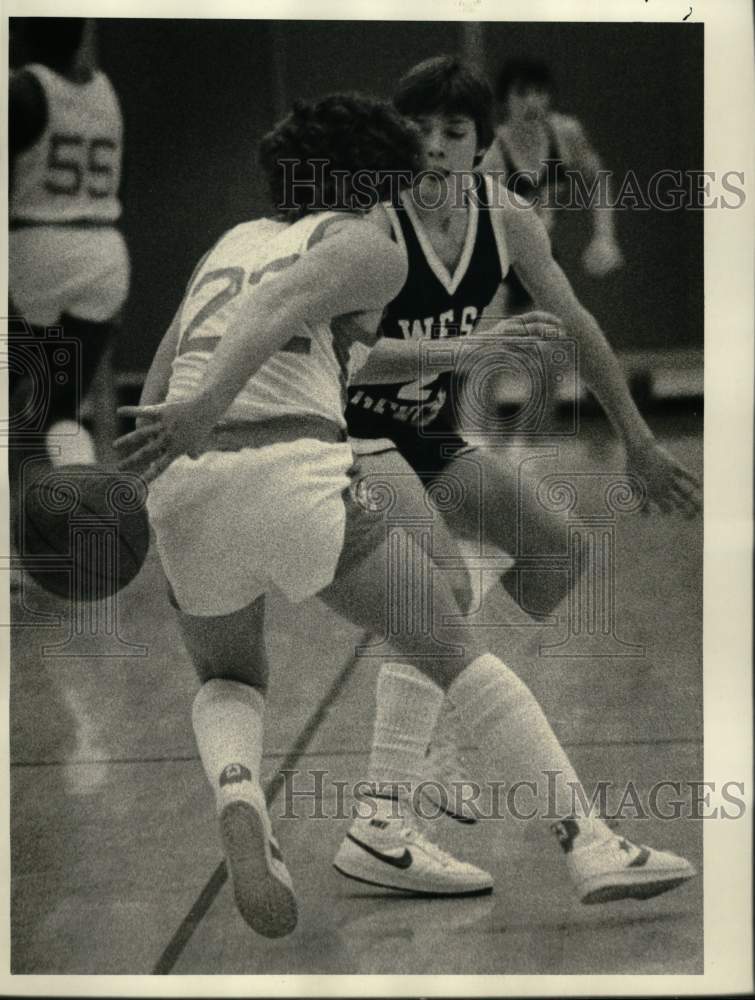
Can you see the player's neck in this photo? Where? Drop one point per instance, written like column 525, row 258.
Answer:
column 446, row 215
column 75, row 72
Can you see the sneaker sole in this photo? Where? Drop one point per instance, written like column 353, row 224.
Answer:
column 267, row 905
column 605, row 890
column 485, row 891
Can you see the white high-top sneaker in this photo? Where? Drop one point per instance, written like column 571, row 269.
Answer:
column 262, row 886
column 613, row 868
column 394, row 853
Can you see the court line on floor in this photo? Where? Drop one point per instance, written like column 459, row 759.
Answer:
column 325, row 752
column 175, row 947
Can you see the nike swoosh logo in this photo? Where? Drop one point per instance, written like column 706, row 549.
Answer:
column 402, row 861
column 641, row 858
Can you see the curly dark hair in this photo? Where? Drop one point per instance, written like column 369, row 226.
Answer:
column 523, row 74
column 345, row 152
column 445, row 85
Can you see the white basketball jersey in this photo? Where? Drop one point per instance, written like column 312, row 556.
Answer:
column 73, row 171
column 307, row 375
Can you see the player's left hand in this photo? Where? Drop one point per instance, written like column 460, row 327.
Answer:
column 602, row 256
column 669, row 486
column 165, row 431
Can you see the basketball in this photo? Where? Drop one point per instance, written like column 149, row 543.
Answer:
column 84, row 530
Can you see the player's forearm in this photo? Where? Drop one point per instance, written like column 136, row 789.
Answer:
column 603, row 222
column 242, row 351
column 155, row 387
column 599, row 368
column 392, row 360
column 601, row 210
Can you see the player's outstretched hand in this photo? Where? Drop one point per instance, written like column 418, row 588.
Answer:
column 531, row 324
column 164, row 432
column 669, row 486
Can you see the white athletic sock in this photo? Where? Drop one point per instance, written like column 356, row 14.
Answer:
column 515, row 740
column 408, row 703
column 449, row 732
column 228, row 726
column 68, row 443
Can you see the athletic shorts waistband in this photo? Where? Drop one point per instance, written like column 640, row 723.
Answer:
column 238, row 434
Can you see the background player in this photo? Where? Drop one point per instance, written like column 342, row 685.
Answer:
column 458, row 249
column 250, row 447
column 68, row 262
column 532, row 149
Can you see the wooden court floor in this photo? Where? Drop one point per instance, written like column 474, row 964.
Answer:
column 115, row 854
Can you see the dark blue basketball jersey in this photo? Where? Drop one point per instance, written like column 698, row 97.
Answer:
column 432, row 304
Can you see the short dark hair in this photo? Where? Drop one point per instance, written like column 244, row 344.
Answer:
column 350, row 134
column 446, row 85
column 523, row 74
column 53, row 41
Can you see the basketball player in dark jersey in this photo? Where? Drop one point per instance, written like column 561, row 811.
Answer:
column 459, row 244
column 532, row 151
column 270, row 497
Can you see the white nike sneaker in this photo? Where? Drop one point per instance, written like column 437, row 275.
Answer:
column 447, row 785
column 262, row 886
column 393, row 853
column 614, row 868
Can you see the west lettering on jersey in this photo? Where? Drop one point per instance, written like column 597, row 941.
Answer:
column 432, row 305
column 447, row 324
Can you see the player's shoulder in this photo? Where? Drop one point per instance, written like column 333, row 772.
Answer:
column 367, row 232
column 355, row 249
column 27, row 107
column 25, row 86
column 517, row 218
column 500, row 198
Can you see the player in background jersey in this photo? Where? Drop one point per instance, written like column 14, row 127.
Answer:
column 68, row 262
column 253, row 486
column 458, row 246
column 532, row 149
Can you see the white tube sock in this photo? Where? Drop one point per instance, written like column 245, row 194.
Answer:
column 507, row 724
column 228, row 726
column 408, row 704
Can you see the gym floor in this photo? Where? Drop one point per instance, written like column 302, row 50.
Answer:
column 115, row 851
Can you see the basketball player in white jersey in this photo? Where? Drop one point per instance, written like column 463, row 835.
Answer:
column 458, row 251
column 533, row 148
column 253, row 487
column 68, row 263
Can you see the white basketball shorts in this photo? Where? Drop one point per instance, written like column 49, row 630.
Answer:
column 231, row 526
column 53, row 270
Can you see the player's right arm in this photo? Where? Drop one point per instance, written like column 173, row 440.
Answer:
column 668, row 484
column 354, row 268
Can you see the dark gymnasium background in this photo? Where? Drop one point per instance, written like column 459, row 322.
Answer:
column 198, row 95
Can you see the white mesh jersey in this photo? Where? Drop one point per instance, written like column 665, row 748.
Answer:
column 73, row 171
column 307, row 376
